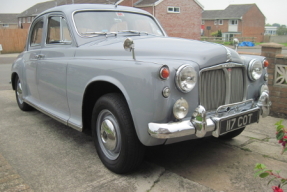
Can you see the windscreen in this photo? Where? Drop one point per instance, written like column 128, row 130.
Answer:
column 92, row 22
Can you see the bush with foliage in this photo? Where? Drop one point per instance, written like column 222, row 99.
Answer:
column 261, row 169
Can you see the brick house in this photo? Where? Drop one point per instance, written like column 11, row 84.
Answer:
column 245, row 20
column 26, row 17
column 179, row 18
column 8, row 21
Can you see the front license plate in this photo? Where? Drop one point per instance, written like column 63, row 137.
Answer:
column 237, row 122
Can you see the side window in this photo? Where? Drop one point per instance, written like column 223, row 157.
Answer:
column 36, row 36
column 58, row 32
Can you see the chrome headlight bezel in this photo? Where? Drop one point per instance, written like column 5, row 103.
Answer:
column 255, row 69
column 185, row 82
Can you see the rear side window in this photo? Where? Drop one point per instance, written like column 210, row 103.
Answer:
column 58, row 32
column 37, row 32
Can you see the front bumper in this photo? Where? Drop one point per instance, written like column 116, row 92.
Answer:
column 202, row 122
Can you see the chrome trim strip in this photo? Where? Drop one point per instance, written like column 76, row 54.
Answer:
column 57, row 118
column 61, row 120
column 74, row 126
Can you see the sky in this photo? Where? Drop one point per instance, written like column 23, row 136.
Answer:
column 274, row 10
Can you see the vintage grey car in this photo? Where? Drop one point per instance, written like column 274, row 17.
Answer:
column 112, row 71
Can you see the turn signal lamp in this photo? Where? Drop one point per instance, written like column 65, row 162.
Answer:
column 164, row 72
column 265, row 63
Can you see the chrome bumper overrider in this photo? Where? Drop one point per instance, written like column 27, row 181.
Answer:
column 202, row 122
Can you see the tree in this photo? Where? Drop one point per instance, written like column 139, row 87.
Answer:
column 282, row 31
column 276, row 25
column 267, row 24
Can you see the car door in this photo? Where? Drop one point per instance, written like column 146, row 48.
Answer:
column 52, row 67
column 31, row 59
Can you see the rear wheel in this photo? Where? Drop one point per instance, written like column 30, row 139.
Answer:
column 232, row 134
column 19, row 96
column 114, row 134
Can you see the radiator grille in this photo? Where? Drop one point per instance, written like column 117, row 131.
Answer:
column 221, row 86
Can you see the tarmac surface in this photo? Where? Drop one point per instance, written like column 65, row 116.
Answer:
column 38, row 153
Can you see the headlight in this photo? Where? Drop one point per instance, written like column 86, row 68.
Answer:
column 255, row 69
column 185, row 78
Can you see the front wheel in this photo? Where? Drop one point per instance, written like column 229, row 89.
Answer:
column 114, row 134
column 19, row 96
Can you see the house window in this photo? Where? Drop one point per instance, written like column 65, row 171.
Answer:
column 202, row 22
column 28, row 19
column 173, row 9
column 5, row 25
column 23, row 20
column 215, row 22
column 220, row 22
column 233, row 22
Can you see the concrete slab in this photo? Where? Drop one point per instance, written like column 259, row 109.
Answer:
column 268, row 149
column 170, row 181
column 254, row 135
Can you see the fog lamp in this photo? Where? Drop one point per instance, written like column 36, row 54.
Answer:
column 180, row 109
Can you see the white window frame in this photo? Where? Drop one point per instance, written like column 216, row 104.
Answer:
column 220, row 21
column 235, row 22
column 23, row 20
column 202, row 22
column 215, row 22
column 171, row 9
column 28, row 19
column 5, row 25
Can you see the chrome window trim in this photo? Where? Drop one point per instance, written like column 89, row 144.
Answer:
column 224, row 66
column 107, row 10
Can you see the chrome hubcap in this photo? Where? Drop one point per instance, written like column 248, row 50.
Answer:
column 108, row 134
column 19, row 92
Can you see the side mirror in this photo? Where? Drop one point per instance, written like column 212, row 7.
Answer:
column 130, row 46
column 235, row 43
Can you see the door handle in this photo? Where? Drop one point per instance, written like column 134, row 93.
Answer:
column 40, row 56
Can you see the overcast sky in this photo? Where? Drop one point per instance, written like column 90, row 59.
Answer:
column 274, row 10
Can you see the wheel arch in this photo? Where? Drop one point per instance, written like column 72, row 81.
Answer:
column 14, row 75
column 92, row 93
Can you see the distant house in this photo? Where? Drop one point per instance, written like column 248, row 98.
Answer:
column 244, row 20
column 8, row 21
column 26, row 17
column 179, row 18
column 270, row 30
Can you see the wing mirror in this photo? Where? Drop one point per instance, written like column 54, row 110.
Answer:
column 130, row 46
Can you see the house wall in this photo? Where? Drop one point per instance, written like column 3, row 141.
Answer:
column 186, row 24
column 214, row 28
column 253, row 24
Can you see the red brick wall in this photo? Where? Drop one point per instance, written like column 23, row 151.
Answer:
column 253, row 24
column 278, row 93
column 223, row 28
column 128, row 3
column 185, row 24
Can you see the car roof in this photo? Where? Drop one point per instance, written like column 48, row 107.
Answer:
column 70, row 8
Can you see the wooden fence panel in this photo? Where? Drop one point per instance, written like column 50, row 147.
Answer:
column 13, row 40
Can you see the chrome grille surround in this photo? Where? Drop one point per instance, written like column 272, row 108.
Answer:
column 222, row 84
